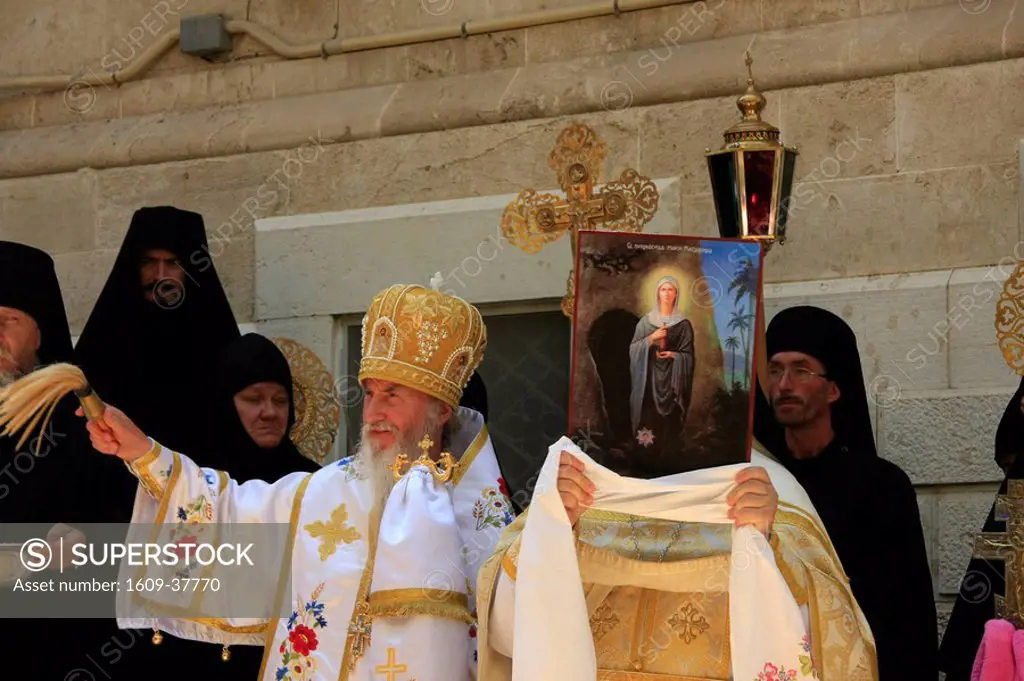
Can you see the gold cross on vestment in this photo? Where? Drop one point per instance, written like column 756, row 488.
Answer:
column 425, row 444
column 359, row 632
column 443, row 470
column 391, row 669
column 626, row 205
column 1008, row 547
column 333, row 533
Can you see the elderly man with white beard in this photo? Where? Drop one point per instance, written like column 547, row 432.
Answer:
column 386, row 544
column 53, row 480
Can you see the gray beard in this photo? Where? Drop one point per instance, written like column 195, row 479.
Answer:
column 375, row 463
column 8, row 377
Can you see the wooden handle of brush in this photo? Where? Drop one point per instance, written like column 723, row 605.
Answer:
column 92, row 405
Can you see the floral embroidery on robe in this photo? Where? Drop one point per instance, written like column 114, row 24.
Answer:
column 773, row 673
column 493, row 509
column 807, row 667
column 297, row 663
column 192, row 519
column 351, row 468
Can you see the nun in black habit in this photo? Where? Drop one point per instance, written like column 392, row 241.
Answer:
column 250, row 360
column 151, row 347
column 867, row 504
column 975, row 602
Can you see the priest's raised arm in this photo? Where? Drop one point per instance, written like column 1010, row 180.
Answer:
column 172, row 487
column 175, row 492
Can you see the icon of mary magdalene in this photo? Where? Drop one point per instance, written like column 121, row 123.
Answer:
column 661, row 362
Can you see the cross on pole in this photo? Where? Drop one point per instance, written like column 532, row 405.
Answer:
column 391, row 669
column 1008, row 547
column 626, row 205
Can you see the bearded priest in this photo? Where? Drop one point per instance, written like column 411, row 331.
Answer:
column 384, row 553
column 724, row 573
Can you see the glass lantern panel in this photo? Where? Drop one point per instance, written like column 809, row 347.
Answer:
column 788, row 168
column 759, row 178
column 726, row 194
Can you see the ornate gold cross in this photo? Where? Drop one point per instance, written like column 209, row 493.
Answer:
column 533, row 219
column 392, row 668
column 360, row 632
column 426, row 443
column 442, row 470
column 1008, row 547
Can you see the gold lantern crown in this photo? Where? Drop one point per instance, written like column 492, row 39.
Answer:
column 424, row 339
column 751, row 103
column 752, row 174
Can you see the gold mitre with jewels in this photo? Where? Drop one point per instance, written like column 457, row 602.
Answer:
column 424, row 339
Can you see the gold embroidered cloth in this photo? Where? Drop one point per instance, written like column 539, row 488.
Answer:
column 667, row 616
column 424, row 339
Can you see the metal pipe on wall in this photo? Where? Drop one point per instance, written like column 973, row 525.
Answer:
column 338, row 46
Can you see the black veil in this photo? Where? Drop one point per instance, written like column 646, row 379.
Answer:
column 156, row 363
column 28, row 282
column 474, row 396
column 250, row 359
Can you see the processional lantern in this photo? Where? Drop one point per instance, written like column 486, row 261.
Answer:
column 752, row 174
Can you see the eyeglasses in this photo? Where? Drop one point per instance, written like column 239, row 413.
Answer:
column 798, row 374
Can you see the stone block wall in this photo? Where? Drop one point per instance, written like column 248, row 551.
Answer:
column 907, row 115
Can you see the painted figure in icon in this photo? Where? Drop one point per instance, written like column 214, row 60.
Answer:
column 661, row 362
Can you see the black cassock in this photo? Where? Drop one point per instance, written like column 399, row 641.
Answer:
column 63, row 484
column 975, row 602
column 867, row 504
column 157, row 363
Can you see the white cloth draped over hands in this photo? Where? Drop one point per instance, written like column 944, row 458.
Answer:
column 767, row 626
column 418, row 593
